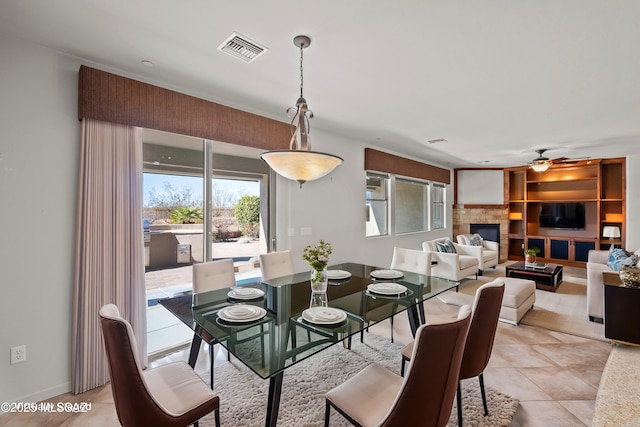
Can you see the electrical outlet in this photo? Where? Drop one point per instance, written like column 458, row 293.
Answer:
column 18, row 354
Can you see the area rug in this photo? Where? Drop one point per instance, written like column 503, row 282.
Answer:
column 564, row 310
column 243, row 395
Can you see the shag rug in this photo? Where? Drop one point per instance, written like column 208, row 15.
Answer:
column 564, row 310
column 243, row 395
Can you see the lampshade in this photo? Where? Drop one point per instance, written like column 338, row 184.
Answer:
column 540, row 165
column 611, row 231
column 299, row 163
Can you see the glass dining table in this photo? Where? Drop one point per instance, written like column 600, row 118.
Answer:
column 285, row 335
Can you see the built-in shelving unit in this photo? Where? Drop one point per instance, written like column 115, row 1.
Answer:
column 598, row 183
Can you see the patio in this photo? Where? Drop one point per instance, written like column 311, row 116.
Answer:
column 165, row 333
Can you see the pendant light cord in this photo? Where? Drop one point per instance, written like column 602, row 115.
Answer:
column 301, row 70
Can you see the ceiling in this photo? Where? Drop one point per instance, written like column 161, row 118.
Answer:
column 495, row 80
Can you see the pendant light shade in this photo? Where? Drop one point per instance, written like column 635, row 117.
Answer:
column 299, row 163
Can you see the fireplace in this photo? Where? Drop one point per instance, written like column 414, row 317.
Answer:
column 487, row 231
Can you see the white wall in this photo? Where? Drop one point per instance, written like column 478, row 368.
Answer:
column 39, row 155
column 480, row 187
column 39, row 140
column 632, row 238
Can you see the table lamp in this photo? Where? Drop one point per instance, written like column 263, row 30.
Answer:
column 611, row 232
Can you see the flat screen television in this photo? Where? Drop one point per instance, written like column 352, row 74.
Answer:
column 564, row 215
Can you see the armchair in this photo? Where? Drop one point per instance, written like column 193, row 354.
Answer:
column 488, row 254
column 452, row 266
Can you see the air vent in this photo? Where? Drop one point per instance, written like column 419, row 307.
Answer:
column 241, row 47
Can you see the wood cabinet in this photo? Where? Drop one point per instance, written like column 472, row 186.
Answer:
column 621, row 315
column 598, row 184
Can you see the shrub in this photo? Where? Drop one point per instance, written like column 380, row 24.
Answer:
column 186, row 215
column 247, row 215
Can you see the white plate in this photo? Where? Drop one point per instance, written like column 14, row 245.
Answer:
column 387, row 274
column 338, row 274
column 324, row 315
column 387, row 288
column 242, row 313
column 245, row 293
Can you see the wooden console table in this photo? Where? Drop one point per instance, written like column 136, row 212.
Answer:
column 621, row 310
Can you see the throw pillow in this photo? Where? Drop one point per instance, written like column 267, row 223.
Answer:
column 446, row 247
column 475, row 240
column 619, row 257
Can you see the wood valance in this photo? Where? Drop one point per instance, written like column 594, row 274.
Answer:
column 380, row 161
column 112, row 98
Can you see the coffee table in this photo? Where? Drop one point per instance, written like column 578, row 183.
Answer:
column 547, row 278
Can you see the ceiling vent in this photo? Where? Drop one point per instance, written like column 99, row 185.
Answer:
column 241, row 47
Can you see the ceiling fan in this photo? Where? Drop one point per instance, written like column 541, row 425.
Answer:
column 542, row 163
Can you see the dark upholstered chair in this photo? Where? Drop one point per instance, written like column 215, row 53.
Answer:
column 477, row 350
column 377, row 397
column 169, row 395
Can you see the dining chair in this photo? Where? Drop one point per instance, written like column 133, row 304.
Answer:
column 414, row 261
column 169, row 395
column 477, row 351
column 378, row 397
column 276, row 264
column 210, row 276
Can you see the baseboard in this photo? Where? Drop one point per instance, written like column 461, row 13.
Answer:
column 45, row 394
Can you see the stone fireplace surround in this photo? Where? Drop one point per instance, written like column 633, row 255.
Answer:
column 463, row 217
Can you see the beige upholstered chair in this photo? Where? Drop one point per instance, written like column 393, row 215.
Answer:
column 209, row 276
column 169, row 395
column 276, row 264
column 377, row 397
column 488, row 255
column 452, row 266
column 411, row 260
column 479, row 343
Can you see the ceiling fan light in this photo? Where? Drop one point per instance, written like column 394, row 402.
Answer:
column 540, row 165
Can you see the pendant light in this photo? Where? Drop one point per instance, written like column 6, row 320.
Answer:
column 299, row 163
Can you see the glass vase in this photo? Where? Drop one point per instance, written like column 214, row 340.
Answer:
column 319, row 279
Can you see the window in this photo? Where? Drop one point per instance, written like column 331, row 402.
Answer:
column 411, row 206
column 437, row 206
column 377, row 204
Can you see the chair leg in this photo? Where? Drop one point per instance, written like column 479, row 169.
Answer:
column 327, row 411
column 459, row 399
column 217, row 417
column 211, row 359
column 484, row 396
column 402, row 366
column 391, row 318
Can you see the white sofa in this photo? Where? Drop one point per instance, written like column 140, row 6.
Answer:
column 596, row 264
column 488, row 254
column 450, row 266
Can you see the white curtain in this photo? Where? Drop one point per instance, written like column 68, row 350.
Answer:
column 109, row 261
